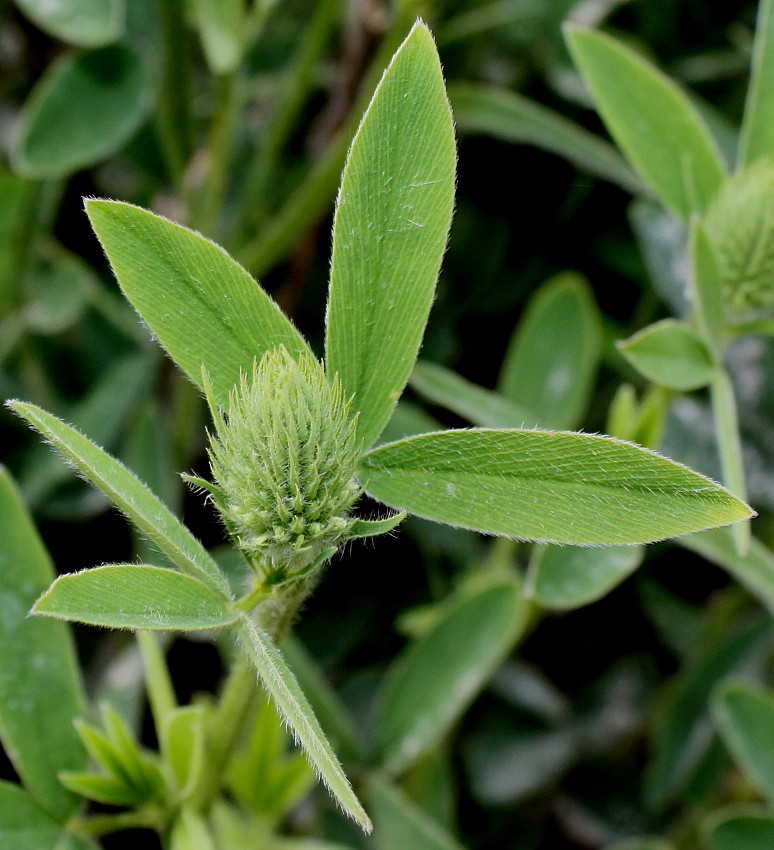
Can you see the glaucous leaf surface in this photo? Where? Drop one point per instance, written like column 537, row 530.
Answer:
column 549, row 486
column 565, row 577
column 401, row 824
column 552, row 359
column 389, row 233
column 128, row 493
column 757, row 136
column 744, row 716
column 476, row 404
column 653, row 122
column 85, row 23
column 135, row 596
column 203, row 306
column 24, row 825
column 670, row 354
column 434, row 680
column 40, row 687
column 741, row 831
column 514, row 118
column 281, row 684
column 85, row 107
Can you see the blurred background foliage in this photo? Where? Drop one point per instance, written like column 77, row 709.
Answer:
column 234, row 118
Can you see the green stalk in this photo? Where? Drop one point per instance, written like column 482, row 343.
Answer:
column 730, row 447
column 161, row 694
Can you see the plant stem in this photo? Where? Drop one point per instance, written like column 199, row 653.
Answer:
column 161, row 694
column 730, row 447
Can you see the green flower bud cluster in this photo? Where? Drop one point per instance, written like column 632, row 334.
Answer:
column 284, row 459
column 740, row 225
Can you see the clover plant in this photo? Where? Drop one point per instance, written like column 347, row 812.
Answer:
column 295, row 442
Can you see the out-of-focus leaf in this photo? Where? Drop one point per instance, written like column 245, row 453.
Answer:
column 435, row 679
column 670, row 354
column 401, row 824
column 732, row 829
column 62, row 294
column 757, row 138
column 652, row 121
column 389, row 232
column 641, row 844
column 566, row 577
column 135, row 596
column 552, row 358
column 706, row 289
column 514, row 118
column 221, row 26
column 544, row 485
column 203, row 306
column 476, row 404
column 86, row 23
column 184, row 743
column 407, row 420
column 24, row 825
column 744, row 717
column 82, row 111
column 190, row 831
column 40, row 688
column 686, row 731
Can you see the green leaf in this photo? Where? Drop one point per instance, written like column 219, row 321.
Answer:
column 190, row 831
column 474, row 403
column 135, row 596
column 653, row 122
column 283, row 688
column 744, row 716
column 128, row 493
column 670, row 354
column 757, row 134
column 707, row 290
column 435, row 679
column 682, row 739
column 389, row 233
column 86, row 23
column 84, row 108
column 184, row 742
column 750, row 830
column 203, row 306
column 641, row 844
column 103, row 789
column 755, row 570
column 555, row 487
column 401, row 824
column 511, row 117
column 372, row 527
column 26, row 826
column 221, row 25
column 552, row 359
column 40, row 687
column 568, row 576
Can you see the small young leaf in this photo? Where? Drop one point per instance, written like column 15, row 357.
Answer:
column 476, row 404
column 184, row 742
column 135, row 596
column 652, row 121
column 401, row 824
column 221, row 25
column 128, row 493
column 389, row 232
column 83, row 110
column 510, row 116
column 670, row 354
column 740, row 830
column 565, row 577
column 706, row 289
column 744, row 717
column 203, row 306
column 552, row 358
column 757, row 135
column 282, row 686
column 436, row 678
column 40, row 688
column 102, row 788
column 191, row 832
column 549, row 486
column 372, row 527
column 85, row 23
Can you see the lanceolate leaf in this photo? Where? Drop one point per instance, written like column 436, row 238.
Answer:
column 204, row 307
column 557, row 487
column 740, row 830
column 389, row 232
column 84, row 108
column 40, row 689
column 433, row 682
column 135, row 596
column 757, row 138
column 653, row 122
column 283, row 688
column 128, row 493
column 87, row 23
